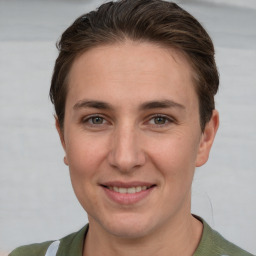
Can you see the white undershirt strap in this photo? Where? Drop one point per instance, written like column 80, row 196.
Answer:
column 53, row 248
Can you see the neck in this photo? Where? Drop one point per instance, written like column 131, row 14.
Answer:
column 181, row 237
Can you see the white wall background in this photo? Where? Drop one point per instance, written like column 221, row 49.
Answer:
column 238, row 3
column 36, row 199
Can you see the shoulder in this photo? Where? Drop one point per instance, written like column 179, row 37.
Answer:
column 31, row 250
column 226, row 247
column 213, row 244
column 68, row 244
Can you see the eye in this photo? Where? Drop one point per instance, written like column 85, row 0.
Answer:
column 96, row 120
column 160, row 121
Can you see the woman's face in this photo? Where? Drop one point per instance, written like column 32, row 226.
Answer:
column 132, row 137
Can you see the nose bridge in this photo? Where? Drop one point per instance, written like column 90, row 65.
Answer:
column 126, row 152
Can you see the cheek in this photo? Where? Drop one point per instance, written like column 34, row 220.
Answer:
column 175, row 156
column 85, row 158
column 85, row 153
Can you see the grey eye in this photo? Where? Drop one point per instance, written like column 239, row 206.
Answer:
column 160, row 120
column 97, row 120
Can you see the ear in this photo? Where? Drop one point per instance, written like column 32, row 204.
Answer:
column 61, row 135
column 207, row 139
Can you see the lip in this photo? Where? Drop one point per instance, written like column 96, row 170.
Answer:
column 126, row 198
column 127, row 184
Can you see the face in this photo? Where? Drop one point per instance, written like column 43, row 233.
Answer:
column 132, row 137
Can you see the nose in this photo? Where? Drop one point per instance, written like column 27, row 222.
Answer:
column 126, row 152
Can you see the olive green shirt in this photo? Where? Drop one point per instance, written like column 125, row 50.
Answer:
column 211, row 244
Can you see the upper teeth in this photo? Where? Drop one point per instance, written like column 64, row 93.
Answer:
column 131, row 190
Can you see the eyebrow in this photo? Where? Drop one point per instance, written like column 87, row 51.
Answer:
column 161, row 104
column 145, row 106
column 92, row 104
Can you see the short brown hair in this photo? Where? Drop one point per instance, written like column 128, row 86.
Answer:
column 155, row 21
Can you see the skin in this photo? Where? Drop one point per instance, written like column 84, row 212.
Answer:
column 132, row 115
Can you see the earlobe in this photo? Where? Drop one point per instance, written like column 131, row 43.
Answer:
column 65, row 160
column 61, row 135
column 207, row 139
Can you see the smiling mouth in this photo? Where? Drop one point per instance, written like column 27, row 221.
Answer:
column 130, row 190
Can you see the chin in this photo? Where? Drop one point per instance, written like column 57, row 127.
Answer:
column 129, row 227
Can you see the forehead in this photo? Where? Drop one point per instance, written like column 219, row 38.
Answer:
column 142, row 53
column 147, row 70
